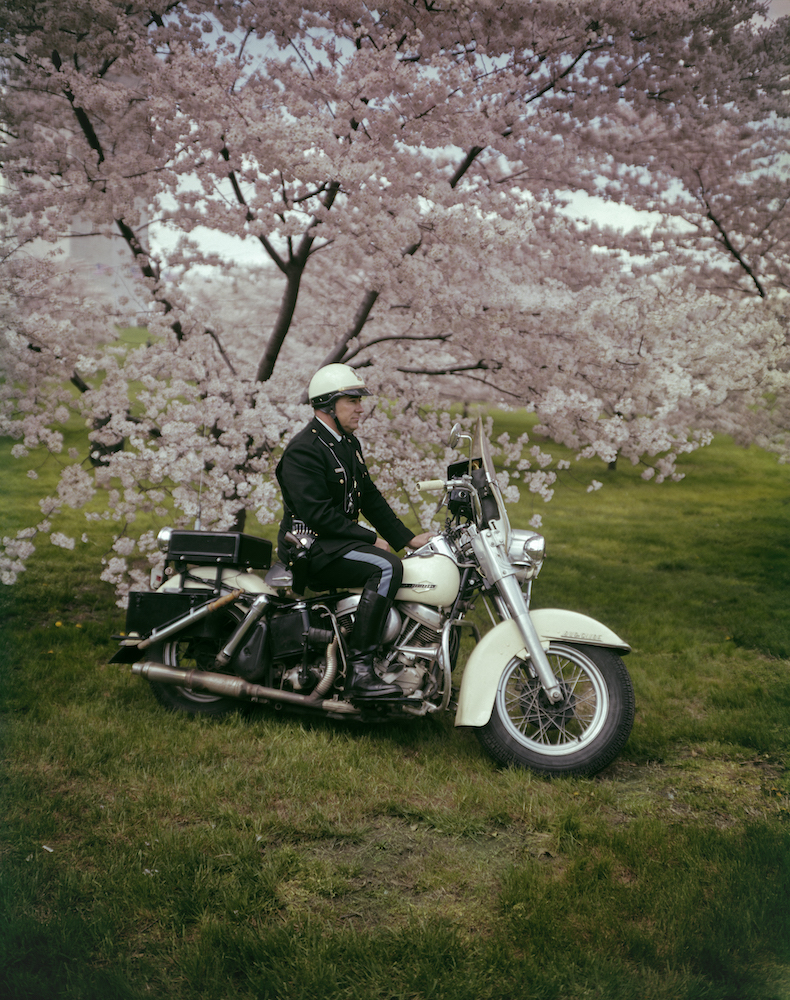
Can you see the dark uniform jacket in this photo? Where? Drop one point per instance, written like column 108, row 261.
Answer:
column 326, row 485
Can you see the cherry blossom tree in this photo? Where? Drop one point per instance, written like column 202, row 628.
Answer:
column 408, row 173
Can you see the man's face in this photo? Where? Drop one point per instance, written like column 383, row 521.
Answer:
column 348, row 411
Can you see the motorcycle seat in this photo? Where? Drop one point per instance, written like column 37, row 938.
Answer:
column 279, row 576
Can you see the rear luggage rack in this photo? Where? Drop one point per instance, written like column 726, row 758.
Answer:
column 217, row 548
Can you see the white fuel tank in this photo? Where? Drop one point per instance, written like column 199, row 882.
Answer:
column 433, row 580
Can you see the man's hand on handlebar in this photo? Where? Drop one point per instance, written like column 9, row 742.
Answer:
column 419, row 540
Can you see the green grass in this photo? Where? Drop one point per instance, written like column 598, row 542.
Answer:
column 264, row 856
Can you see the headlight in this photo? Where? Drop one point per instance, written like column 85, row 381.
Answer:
column 163, row 539
column 526, row 551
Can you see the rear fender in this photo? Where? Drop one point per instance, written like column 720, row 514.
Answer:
column 235, row 579
column 498, row 647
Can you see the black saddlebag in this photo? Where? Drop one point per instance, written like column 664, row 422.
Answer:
column 147, row 611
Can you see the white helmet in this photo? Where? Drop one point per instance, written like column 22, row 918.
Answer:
column 331, row 382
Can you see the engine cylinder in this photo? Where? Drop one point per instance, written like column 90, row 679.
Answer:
column 346, row 609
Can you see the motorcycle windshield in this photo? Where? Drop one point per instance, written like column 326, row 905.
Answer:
column 481, row 450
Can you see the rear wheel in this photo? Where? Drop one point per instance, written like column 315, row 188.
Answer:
column 581, row 733
column 195, row 653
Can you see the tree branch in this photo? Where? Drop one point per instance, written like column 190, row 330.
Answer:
column 465, row 164
column 727, row 241
column 482, row 365
column 249, row 217
column 360, row 318
column 462, row 370
column 82, row 118
column 393, row 336
column 141, row 257
column 221, row 350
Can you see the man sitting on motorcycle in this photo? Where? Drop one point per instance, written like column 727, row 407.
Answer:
column 326, row 486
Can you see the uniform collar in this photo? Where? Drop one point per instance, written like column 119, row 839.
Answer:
column 335, row 436
column 327, row 429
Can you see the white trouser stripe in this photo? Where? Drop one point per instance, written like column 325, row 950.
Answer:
column 383, row 564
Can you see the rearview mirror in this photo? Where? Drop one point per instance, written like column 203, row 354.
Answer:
column 456, row 436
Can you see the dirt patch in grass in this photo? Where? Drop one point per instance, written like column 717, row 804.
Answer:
column 696, row 787
column 401, row 870
column 398, row 869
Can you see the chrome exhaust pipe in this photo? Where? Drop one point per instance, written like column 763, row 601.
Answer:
column 234, row 687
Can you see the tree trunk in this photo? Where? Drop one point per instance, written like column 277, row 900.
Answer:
column 294, row 274
column 293, row 271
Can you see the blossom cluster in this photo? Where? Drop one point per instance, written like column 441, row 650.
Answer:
column 402, row 191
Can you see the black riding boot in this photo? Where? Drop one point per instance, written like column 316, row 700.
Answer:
column 361, row 679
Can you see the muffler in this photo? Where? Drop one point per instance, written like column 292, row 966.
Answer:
column 234, row 687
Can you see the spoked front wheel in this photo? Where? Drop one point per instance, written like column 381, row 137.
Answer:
column 581, row 733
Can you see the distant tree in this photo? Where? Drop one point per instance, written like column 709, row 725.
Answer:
column 405, row 169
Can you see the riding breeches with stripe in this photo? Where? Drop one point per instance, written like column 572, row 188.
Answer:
column 366, row 566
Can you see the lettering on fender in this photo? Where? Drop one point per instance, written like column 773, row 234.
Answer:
column 583, row 636
column 425, row 585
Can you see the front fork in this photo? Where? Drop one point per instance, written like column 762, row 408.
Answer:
column 512, row 597
column 500, row 577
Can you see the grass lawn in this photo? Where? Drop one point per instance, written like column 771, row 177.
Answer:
column 264, row 856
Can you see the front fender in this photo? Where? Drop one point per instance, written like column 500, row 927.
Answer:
column 498, row 647
column 570, row 626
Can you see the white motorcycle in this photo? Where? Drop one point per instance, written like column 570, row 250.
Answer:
column 544, row 689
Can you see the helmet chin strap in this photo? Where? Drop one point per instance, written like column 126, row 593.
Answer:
column 329, row 411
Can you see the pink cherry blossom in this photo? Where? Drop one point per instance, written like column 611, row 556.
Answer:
column 406, row 183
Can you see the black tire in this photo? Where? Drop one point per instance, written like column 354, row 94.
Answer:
column 579, row 735
column 194, row 654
